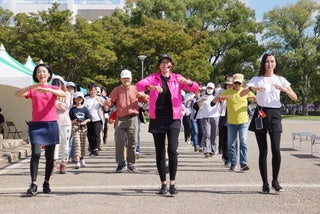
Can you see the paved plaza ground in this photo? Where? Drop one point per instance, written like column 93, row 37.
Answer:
column 205, row 185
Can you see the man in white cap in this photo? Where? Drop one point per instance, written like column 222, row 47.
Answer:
column 125, row 97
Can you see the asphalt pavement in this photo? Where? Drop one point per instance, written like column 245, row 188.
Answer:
column 204, row 185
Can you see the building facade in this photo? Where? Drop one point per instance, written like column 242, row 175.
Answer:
column 88, row 9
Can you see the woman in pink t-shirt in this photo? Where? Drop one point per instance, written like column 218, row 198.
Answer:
column 43, row 128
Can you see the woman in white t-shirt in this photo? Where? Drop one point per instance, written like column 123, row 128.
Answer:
column 267, row 117
column 95, row 104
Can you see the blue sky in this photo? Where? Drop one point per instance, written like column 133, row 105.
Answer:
column 262, row 6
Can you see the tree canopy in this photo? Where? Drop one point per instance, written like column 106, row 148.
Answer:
column 207, row 40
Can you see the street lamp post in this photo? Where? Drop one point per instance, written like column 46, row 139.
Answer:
column 142, row 58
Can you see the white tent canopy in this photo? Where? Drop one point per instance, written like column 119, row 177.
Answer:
column 13, row 62
column 9, row 75
column 14, row 108
column 29, row 63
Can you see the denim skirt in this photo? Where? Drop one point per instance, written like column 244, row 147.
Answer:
column 45, row 133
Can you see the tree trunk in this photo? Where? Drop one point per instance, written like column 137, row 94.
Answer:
column 305, row 105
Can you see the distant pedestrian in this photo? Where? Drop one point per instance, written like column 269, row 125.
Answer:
column 165, row 108
column 186, row 119
column 1, row 122
column 43, row 127
column 223, row 125
column 106, row 112
column 208, row 114
column 79, row 116
column 72, row 88
column 267, row 116
column 64, row 122
column 95, row 104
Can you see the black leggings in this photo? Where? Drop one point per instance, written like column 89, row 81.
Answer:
column 275, row 138
column 159, row 142
column 34, row 162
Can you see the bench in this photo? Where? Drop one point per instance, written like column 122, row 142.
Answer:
column 315, row 139
column 302, row 136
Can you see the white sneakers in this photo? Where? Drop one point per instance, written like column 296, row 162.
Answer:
column 82, row 163
column 77, row 166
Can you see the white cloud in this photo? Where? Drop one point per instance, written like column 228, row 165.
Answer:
column 7, row 4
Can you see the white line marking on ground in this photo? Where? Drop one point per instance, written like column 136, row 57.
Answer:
column 14, row 166
column 184, row 186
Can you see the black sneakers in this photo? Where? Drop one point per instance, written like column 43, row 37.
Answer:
column 233, row 167
column 276, row 186
column 46, row 187
column 265, row 189
column 163, row 190
column 120, row 168
column 172, row 189
column 32, row 189
column 244, row 167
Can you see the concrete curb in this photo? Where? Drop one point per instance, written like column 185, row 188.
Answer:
column 13, row 150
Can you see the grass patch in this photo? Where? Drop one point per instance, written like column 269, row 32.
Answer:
column 299, row 117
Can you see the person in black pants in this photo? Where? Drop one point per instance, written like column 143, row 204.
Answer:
column 223, row 128
column 1, row 123
column 43, row 128
column 267, row 116
column 95, row 105
column 165, row 115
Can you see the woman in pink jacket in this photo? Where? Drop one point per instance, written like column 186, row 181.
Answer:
column 165, row 115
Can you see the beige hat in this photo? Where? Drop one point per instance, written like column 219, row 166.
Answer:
column 229, row 80
column 238, row 78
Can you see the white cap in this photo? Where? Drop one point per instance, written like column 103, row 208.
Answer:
column 210, row 85
column 58, row 80
column 98, row 89
column 71, row 84
column 78, row 94
column 125, row 74
column 58, row 77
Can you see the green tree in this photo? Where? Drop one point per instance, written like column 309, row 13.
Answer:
column 219, row 30
column 79, row 52
column 291, row 33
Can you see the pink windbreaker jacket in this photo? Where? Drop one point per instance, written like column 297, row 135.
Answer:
column 175, row 88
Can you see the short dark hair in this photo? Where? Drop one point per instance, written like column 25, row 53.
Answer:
column 34, row 75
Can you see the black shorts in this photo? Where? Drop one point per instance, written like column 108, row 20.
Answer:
column 271, row 123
